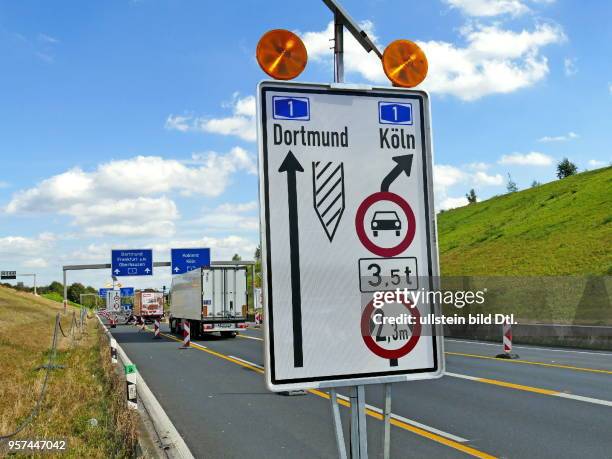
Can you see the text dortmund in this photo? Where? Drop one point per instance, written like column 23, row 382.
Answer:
column 310, row 138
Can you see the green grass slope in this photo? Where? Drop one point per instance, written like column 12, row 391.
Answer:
column 561, row 228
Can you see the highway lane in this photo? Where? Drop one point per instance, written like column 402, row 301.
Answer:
column 499, row 420
column 572, row 372
column 223, row 410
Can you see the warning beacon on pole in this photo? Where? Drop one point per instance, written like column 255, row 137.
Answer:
column 404, row 63
column 281, row 54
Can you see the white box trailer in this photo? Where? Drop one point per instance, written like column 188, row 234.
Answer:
column 211, row 298
column 148, row 306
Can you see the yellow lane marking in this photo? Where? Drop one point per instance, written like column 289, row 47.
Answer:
column 402, row 425
column 526, row 362
column 537, row 390
column 530, row 362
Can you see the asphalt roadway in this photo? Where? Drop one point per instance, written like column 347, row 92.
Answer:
column 551, row 403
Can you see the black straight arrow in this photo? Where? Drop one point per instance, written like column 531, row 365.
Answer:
column 404, row 164
column 291, row 166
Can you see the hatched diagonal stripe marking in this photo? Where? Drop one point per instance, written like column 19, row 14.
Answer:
column 328, row 194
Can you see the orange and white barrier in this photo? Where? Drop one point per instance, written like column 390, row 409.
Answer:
column 156, row 330
column 186, row 335
column 507, row 342
column 507, row 337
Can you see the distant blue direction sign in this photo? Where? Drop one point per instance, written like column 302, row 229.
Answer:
column 102, row 292
column 132, row 262
column 127, row 291
column 185, row 260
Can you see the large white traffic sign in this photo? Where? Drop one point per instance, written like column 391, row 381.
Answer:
column 346, row 216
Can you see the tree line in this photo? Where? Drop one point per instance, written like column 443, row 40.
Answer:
column 74, row 290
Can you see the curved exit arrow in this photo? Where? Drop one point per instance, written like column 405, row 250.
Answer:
column 404, row 164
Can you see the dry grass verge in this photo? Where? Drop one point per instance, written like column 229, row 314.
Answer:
column 84, row 402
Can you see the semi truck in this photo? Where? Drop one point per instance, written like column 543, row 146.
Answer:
column 148, row 306
column 213, row 299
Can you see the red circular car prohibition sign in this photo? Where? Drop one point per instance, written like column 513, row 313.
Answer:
column 390, row 353
column 363, row 236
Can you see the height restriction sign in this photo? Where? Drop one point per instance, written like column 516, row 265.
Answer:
column 348, row 236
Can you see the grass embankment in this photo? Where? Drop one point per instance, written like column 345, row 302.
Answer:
column 84, row 390
column 54, row 296
column 543, row 254
column 560, row 228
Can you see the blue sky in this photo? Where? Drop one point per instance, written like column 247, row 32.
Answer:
column 131, row 123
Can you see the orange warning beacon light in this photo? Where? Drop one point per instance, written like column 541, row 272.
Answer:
column 404, row 63
column 281, row 54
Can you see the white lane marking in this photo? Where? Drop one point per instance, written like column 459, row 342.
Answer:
column 378, row 410
column 413, row 423
column 528, row 347
column 578, row 398
column 250, row 337
column 247, row 362
column 457, row 375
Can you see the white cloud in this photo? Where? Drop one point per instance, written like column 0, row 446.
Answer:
column 559, row 138
column 35, row 263
column 610, row 88
column 4, row 184
column 107, row 200
column 230, row 216
column 479, row 166
column 489, row 8
column 446, row 177
column 241, row 123
column 126, row 217
column 452, row 203
column 596, row 163
column 178, row 122
column 239, row 207
column 484, row 179
column 528, row 159
column 20, row 246
column 569, row 66
column 493, row 61
column 47, row 38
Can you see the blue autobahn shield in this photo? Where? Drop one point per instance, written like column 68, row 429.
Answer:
column 328, row 194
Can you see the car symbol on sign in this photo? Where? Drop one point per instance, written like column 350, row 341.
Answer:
column 386, row 221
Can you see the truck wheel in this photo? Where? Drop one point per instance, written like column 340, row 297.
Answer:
column 172, row 326
column 228, row 334
column 195, row 327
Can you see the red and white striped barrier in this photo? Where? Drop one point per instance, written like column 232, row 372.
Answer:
column 507, row 342
column 186, row 335
column 156, row 330
column 507, row 337
column 258, row 318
